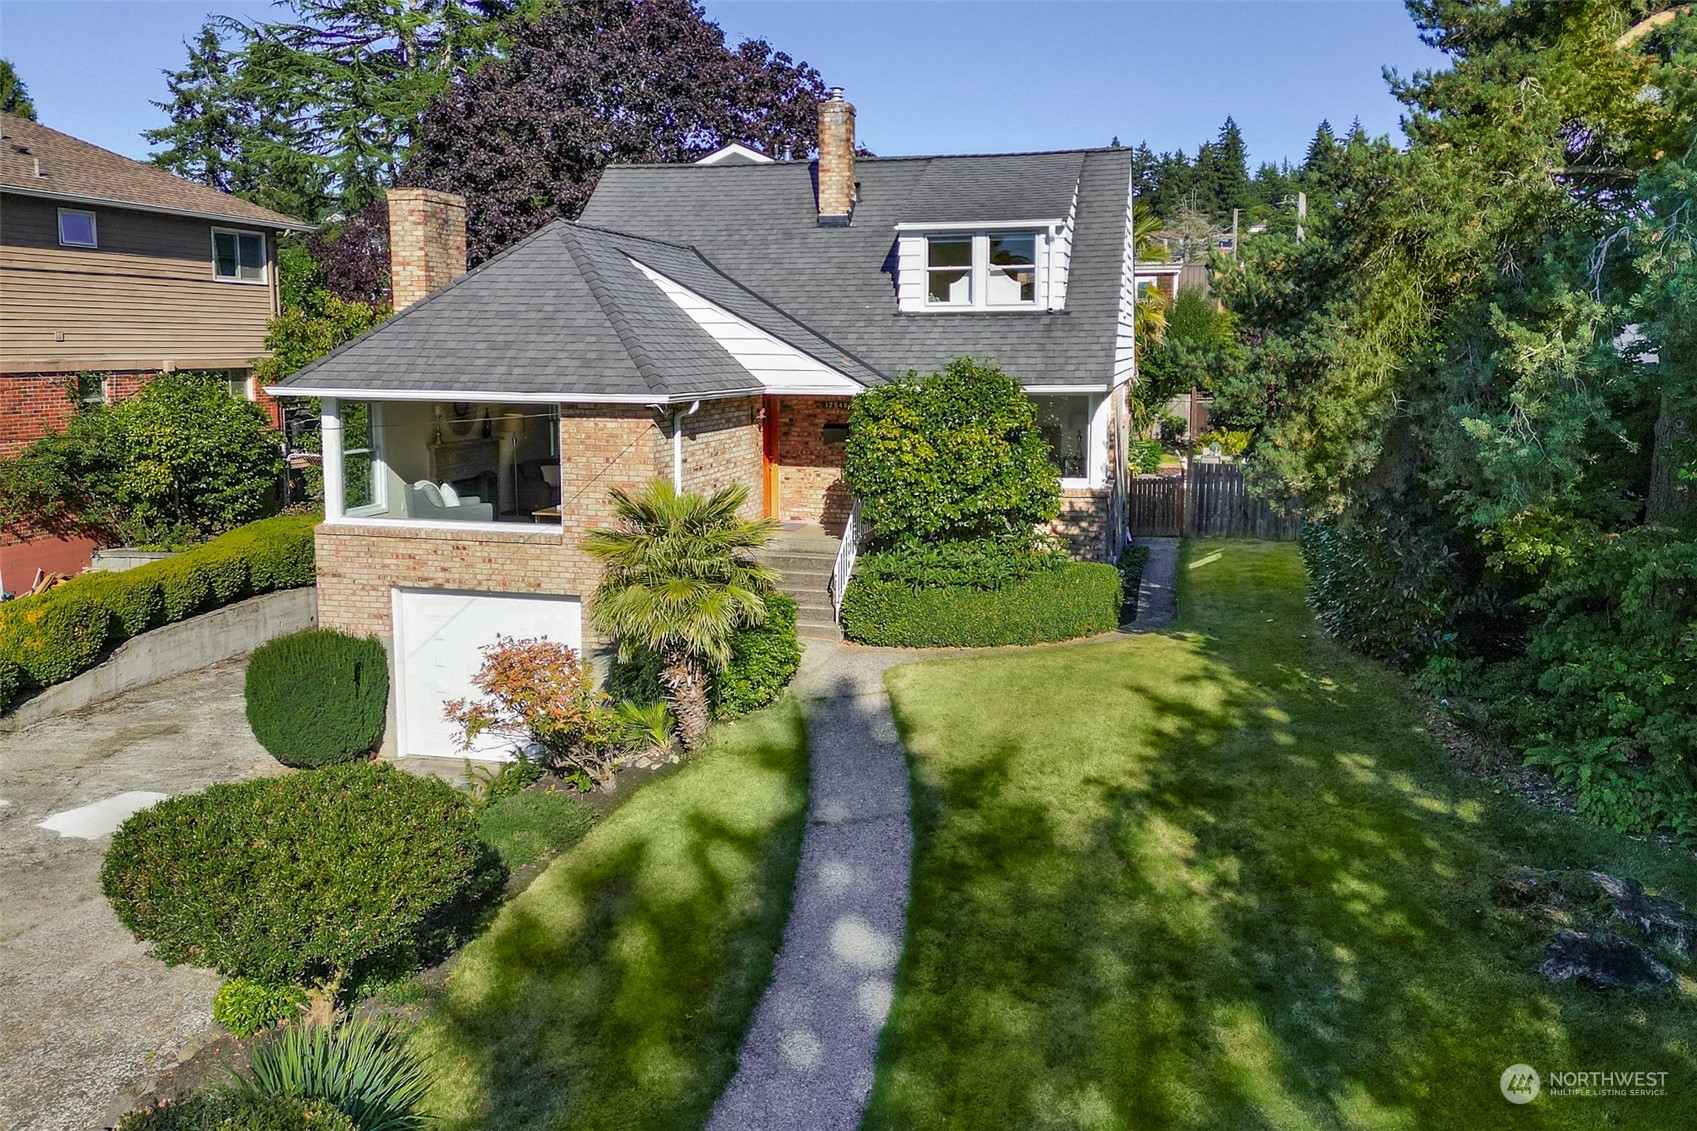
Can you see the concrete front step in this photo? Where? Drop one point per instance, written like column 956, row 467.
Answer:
column 819, row 632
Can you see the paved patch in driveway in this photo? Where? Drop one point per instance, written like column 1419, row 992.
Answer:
column 85, row 1016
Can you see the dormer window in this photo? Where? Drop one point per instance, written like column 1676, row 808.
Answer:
column 988, row 270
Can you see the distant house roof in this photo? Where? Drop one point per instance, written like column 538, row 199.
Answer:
column 757, row 223
column 568, row 314
column 38, row 161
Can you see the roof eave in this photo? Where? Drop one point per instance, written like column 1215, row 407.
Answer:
column 278, row 224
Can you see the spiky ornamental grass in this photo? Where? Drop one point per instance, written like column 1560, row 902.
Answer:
column 680, row 578
column 369, row 1071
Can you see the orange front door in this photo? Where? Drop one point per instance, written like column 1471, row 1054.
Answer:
column 769, row 456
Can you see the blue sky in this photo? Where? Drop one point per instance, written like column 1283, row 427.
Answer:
column 925, row 77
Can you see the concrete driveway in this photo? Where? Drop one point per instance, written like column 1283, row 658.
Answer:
column 86, row 1017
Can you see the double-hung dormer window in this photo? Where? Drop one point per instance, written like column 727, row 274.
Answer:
column 982, row 270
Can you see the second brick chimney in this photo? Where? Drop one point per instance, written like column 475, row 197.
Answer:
column 836, row 160
column 427, row 249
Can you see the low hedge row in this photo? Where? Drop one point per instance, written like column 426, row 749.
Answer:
column 1131, row 563
column 763, row 661
column 1078, row 599
column 51, row 637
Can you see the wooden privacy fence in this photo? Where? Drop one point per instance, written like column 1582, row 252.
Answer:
column 1209, row 501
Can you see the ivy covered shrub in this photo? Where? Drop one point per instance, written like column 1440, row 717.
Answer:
column 764, row 658
column 954, row 455
column 318, row 697
column 354, row 871
column 56, row 635
column 1078, row 599
column 223, row 1111
column 246, row 1007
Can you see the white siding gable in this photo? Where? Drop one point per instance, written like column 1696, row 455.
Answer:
column 776, row 364
column 1053, row 260
column 1125, row 339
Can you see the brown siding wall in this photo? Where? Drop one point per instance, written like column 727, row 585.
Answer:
column 144, row 299
column 810, row 472
column 602, row 448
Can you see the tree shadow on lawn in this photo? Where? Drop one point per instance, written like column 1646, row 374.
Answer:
column 614, row 992
column 1219, row 879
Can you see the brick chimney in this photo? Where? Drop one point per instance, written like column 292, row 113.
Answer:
column 836, row 160
column 426, row 242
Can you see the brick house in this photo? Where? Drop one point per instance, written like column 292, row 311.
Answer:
column 112, row 270
column 708, row 324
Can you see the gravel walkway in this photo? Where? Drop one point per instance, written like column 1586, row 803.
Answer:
column 806, row 1062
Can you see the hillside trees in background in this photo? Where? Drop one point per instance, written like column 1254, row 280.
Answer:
column 584, row 86
column 1478, row 375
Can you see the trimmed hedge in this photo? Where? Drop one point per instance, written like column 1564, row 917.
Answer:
column 1078, row 599
column 353, row 871
column 51, row 637
column 763, row 661
column 1133, row 560
column 317, row 697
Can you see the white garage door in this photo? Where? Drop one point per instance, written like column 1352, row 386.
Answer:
column 439, row 637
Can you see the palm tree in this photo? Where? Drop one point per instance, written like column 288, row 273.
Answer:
column 680, row 579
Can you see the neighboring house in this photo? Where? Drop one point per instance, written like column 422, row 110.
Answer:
column 112, row 270
column 709, row 324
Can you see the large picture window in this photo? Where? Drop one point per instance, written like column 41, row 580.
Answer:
column 982, row 270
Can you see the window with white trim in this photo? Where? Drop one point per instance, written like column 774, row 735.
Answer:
column 238, row 257
column 983, row 270
column 77, row 228
column 362, row 479
column 1067, row 425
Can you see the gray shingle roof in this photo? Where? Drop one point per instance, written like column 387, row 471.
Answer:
column 566, row 312
column 756, row 223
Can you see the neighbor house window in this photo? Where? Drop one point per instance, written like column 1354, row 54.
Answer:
column 238, row 256
column 76, row 228
column 238, row 386
column 1064, row 422
column 982, row 270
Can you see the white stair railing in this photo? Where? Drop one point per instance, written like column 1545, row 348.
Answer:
column 853, row 534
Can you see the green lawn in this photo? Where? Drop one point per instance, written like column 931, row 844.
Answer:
column 1219, row 878
column 614, row 992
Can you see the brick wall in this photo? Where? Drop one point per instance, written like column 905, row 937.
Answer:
column 810, row 471
column 721, row 448
column 1085, row 522
column 427, row 243
column 30, row 404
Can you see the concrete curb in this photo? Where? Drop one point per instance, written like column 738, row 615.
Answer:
column 173, row 650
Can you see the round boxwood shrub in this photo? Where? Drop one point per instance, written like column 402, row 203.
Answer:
column 1080, row 599
column 317, row 697
column 353, row 871
column 764, row 659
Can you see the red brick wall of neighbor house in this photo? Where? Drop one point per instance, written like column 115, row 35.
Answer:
column 602, row 448
column 30, row 404
column 810, row 471
column 721, row 448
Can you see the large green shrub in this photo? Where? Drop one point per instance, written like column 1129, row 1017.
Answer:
column 764, row 659
column 179, row 460
column 223, row 1111
column 952, row 455
column 1079, row 599
column 351, row 871
column 53, row 636
column 318, row 697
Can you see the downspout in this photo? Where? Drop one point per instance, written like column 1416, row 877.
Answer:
column 678, row 445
